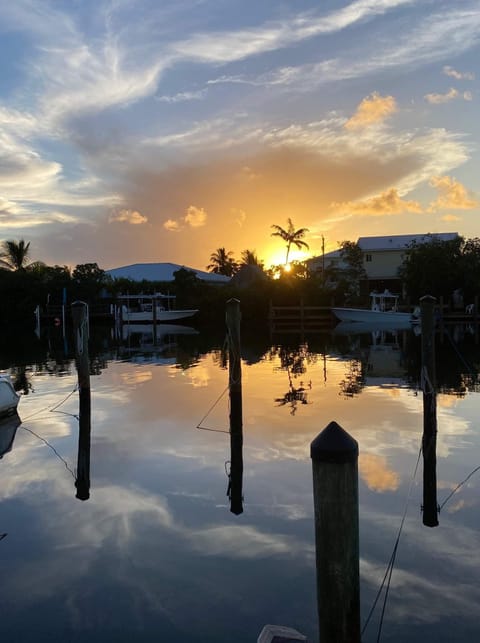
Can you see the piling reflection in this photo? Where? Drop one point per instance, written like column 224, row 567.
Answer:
column 236, row 419
column 429, row 439
column 80, row 328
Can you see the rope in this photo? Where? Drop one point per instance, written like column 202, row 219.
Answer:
column 54, row 408
column 391, row 562
column 460, row 484
column 204, row 428
column 50, row 446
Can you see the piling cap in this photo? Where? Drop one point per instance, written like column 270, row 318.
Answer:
column 335, row 445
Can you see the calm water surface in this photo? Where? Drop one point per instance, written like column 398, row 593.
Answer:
column 155, row 553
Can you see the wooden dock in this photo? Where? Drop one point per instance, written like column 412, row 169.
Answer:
column 300, row 319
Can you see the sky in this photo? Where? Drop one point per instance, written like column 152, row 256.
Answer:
column 152, row 131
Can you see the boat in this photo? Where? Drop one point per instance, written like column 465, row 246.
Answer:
column 150, row 309
column 8, row 430
column 384, row 308
column 9, row 397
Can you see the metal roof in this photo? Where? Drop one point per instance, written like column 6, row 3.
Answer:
column 160, row 272
column 402, row 241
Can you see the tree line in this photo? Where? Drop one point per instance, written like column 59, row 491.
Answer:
column 439, row 268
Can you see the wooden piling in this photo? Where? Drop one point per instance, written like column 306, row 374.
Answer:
column 80, row 329
column 334, row 456
column 429, row 439
column 232, row 319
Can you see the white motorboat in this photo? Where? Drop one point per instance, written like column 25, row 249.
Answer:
column 9, row 398
column 150, row 309
column 384, row 308
column 8, row 429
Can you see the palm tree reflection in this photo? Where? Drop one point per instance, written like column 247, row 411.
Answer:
column 294, row 362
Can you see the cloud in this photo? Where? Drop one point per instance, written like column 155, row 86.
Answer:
column 458, row 75
column 171, row 225
column 437, row 99
column 453, row 195
column 182, row 97
column 127, row 216
column 452, row 94
column 389, row 202
column 450, row 218
column 195, row 217
column 240, row 216
column 372, row 110
column 376, row 474
column 228, row 46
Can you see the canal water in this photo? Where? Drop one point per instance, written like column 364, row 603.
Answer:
column 154, row 552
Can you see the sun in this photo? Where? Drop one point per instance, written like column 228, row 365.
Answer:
column 277, row 258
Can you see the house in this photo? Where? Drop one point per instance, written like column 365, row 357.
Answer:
column 382, row 256
column 161, row 272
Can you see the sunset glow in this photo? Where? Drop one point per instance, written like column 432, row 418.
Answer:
column 134, row 132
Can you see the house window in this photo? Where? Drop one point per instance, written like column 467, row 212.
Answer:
column 368, row 258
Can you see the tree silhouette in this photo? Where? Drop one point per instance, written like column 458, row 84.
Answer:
column 14, row 254
column 249, row 258
column 222, row 263
column 291, row 236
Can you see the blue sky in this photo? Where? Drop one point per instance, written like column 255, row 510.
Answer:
column 136, row 131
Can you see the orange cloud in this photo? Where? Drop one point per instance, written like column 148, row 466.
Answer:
column 373, row 109
column 450, row 218
column 388, row 202
column 127, row 216
column 376, row 474
column 171, row 225
column 452, row 195
column 195, row 217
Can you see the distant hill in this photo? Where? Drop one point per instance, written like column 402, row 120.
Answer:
column 161, row 272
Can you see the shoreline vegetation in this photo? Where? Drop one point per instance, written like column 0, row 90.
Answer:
column 437, row 268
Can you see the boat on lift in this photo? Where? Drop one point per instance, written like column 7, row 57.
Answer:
column 383, row 309
column 150, row 309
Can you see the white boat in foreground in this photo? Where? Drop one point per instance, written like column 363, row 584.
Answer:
column 8, row 430
column 384, row 308
column 150, row 309
column 9, row 398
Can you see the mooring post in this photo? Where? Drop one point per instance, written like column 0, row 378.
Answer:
column 232, row 319
column 429, row 439
column 334, row 456
column 80, row 329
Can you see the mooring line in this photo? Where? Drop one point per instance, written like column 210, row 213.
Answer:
column 391, row 562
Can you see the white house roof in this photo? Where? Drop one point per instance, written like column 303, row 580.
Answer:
column 402, row 241
column 160, row 272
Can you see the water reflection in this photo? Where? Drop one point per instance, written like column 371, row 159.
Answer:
column 157, row 541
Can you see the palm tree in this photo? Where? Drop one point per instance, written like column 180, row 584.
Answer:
column 222, row 263
column 14, row 254
column 291, row 236
column 249, row 258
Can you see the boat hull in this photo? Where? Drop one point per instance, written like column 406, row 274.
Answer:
column 8, row 396
column 161, row 316
column 371, row 316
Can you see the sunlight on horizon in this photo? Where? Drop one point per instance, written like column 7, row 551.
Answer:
column 277, row 257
